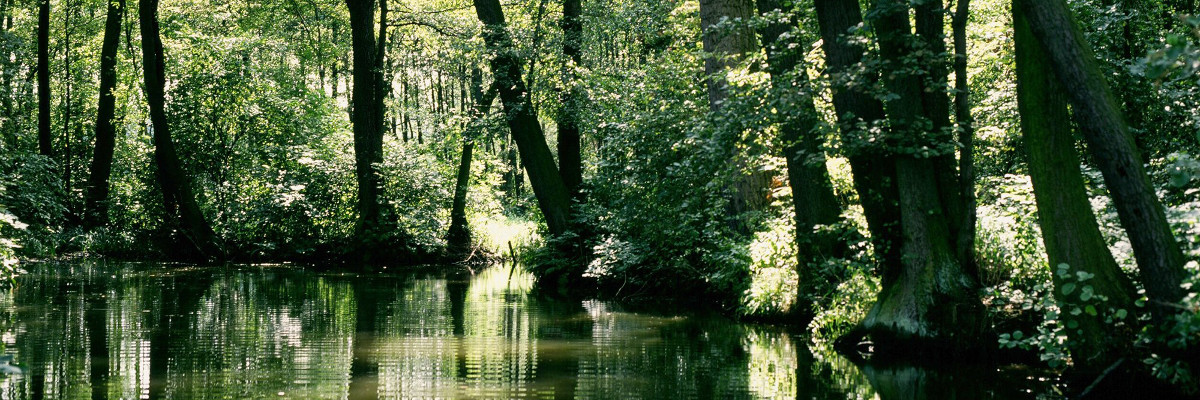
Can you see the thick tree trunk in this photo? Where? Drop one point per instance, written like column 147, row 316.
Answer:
column 96, row 210
column 552, row 194
column 966, row 135
column 935, row 99
column 857, row 110
column 178, row 201
column 43, row 76
column 931, row 300
column 367, row 118
column 570, row 161
column 1069, row 228
column 1160, row 261
column 813, row 200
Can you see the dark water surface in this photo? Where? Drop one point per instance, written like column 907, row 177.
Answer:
column 103, row 330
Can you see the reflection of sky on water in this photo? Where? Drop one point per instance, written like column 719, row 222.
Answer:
column 283, row 333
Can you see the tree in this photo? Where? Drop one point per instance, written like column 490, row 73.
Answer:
column 570, row 161
column 857, row 110
column 1069, row 229
column 966, row 133
column 458, row 238
column 727, row 39
column 368, row 114
column 43, row 77
column 931, row 299
column 178, row 201
column 1100, row 119
column 813, row 200
column 102, row 156
column 552, row 194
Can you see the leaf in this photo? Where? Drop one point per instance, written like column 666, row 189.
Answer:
column 1086, row 293
column 1121, row 313
column 1068, row 289
column 1090, row 310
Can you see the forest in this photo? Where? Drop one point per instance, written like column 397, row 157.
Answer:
column 934, row 182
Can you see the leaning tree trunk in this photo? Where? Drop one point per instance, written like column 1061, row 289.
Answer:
column 96, row 210
column 857, row 110
column 728, row 39
column 931, row 301
column 1100, row 119
column 178, row 200
column 813, row 200
column 1069, row 228
column 548, row 187
column 570, row 161
column 43, row 77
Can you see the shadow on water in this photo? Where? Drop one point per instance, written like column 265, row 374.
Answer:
column 109, row 331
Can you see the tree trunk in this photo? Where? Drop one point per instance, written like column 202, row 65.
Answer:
column 857, row 110
column 366, row 118
column 178, row 201
column 813, row 200
column 931, row 302
column 727, row 46
column 102, row 157
column 1069, row 228
column 966, row 135
column 43, row 76
column 1160, row 261
column 931, row 31
column 552, row 194
column 570, row 161
column 458, row 239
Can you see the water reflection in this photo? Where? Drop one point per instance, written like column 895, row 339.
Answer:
column 96, row 330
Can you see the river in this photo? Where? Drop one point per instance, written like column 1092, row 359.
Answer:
column 96, row 329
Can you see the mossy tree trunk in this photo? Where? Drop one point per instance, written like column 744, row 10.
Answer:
column 1069, row 228
column 931, row 302
column 1100, row 119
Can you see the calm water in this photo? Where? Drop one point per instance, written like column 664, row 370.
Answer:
column 95, row 330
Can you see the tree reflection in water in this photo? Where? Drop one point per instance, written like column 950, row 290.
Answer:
column 96, row 330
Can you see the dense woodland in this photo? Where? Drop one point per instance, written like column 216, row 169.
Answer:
column 924, row 176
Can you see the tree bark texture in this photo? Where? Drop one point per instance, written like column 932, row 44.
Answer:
column 931, row 300
column 548, row 187
column 1069, row 228
column 1100, row 119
